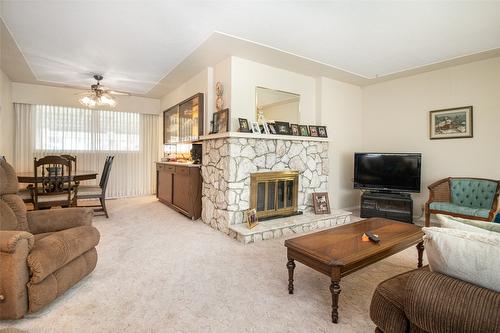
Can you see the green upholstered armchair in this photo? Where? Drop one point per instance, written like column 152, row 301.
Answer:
column 472, row 198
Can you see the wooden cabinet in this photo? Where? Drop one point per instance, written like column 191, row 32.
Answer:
column 165, row 178
column 179, row 187
column 183, row 123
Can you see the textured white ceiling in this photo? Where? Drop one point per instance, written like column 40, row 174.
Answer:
column 136, row 43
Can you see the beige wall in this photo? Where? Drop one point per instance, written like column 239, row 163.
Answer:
column 47, row 95
column 396, row 119
column 7, row 118
column 246, row 75
column 340, row 109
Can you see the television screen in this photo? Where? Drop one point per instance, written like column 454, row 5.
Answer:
column 392, row 172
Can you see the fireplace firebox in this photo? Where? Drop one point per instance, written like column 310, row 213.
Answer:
column 274, row 194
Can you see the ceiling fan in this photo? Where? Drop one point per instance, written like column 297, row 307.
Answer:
column 99, row 95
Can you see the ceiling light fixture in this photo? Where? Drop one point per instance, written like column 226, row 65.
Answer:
column 98, row 95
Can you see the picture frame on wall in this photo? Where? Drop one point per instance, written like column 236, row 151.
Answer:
column 294, row 129
column 313, row 131
column 321, row 203
column 250, row 218
column 244, row 127
column 322, row 132
column 453, row 123
column 221, row 121
column 303, row 130
column 282, row 127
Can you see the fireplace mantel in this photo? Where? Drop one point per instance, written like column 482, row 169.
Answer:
column 261, row 136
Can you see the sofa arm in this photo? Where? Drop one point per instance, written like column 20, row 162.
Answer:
column 438, row 303
column 52, row 220
column 11, row 239
column 14, row 275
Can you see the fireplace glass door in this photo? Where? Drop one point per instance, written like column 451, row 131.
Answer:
column 274, row 193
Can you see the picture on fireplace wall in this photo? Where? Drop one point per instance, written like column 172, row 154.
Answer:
column 244, row 125
column 282, row 127
column 313, row 130
column 255, row 127
column 295, row 129
column 250, row 217
column 303, row 130
column 272, row 128
column 322, row 131
column 321, row 203
column 221, row 121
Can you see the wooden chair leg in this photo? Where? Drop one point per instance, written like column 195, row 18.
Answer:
column 103, row 204
column 427, row 217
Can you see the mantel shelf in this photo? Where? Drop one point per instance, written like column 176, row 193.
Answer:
column 261, row 136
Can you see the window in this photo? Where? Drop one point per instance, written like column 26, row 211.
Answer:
column 74, row 129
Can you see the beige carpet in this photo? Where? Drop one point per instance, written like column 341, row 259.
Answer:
column 160, row 272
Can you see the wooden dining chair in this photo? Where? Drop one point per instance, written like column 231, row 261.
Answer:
column 98, row 191
column 53, row 182
column 72, row 159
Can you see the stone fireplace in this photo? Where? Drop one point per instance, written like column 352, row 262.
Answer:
column 274, row 194
column 231, row 162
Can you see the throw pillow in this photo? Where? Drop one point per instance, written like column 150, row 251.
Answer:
column 451, row 222
column 468, row 256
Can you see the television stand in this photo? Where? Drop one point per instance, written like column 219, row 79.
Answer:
column 389, row 205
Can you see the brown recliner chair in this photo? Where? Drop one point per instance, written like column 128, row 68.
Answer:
column 42, row 253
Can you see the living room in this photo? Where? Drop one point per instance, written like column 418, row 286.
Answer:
column 187, row 171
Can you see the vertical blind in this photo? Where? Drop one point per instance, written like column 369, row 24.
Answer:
column 91, row 135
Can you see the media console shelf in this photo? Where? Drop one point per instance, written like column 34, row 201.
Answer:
column 394, row 206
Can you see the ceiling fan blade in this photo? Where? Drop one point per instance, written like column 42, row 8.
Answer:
column 119, row 93
column 83, row 93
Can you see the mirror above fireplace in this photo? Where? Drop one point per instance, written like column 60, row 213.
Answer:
column 277, row 105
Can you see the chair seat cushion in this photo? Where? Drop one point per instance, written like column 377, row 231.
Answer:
column 386, row 308
column 24, row 194
column 89, row 190
column 54, row 251
column 462, row 210
column 52, row 198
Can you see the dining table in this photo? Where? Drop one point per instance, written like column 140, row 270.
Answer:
column 79, row 175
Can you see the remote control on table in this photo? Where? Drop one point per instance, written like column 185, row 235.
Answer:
column 372, row 237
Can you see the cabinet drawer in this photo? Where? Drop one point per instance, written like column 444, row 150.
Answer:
column 170, row 168
column 182, row 170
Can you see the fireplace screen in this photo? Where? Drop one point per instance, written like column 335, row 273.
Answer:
column 274, row 193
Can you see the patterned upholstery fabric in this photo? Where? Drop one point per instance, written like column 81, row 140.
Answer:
column 474, row 193
column 458, row 209
column 423, row 301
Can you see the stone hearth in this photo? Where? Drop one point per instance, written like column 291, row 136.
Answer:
column 229, row 160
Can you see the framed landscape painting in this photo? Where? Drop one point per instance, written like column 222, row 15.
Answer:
column 451, row 123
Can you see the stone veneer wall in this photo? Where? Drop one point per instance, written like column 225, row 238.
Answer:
column 228, row 163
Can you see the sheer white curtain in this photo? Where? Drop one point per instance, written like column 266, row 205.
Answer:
column 91, row 135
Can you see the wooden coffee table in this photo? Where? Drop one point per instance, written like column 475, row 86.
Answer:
column 339, row 251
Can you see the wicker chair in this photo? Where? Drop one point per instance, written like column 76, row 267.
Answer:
column 472, row 198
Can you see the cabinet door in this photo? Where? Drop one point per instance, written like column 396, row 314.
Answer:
column 191, row 119
column 182, row 189
column 165, row 182
column 171, row 125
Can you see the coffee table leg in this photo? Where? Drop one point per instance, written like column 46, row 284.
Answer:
column 335, row 290
column 291, row 266
column 420, row 249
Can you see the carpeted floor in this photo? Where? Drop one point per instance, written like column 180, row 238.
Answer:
column 160, row 272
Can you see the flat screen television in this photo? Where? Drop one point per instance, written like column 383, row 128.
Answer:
column 394, row 172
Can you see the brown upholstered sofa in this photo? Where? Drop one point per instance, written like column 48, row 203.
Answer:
column 424, row 301
column 42, row 253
